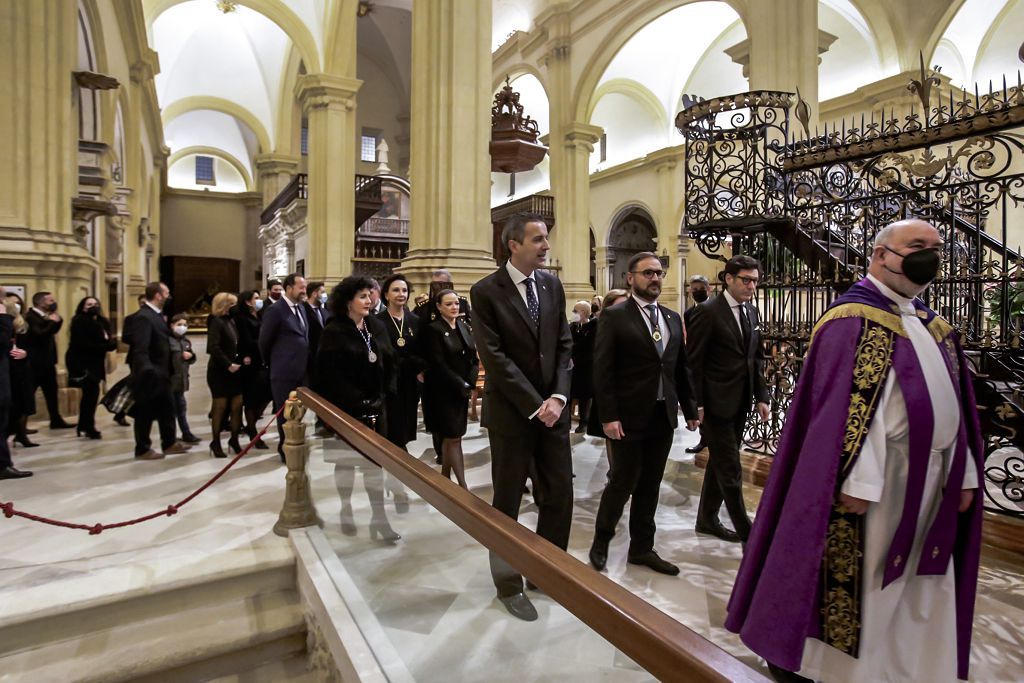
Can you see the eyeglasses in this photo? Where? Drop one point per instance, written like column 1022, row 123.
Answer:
column 650, row 273
column 747, row 280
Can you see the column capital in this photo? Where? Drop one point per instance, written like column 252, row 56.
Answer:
column 276, row 163
column 740, row 52
column 145, row 68
column 582, row 135
column 317, row 91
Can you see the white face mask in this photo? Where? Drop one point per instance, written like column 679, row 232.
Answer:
column 180, row 330
column 259, row 304
column 323, row 299
column 575, row 317
column 17, row 308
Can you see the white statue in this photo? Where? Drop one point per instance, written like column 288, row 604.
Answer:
column 382, row 157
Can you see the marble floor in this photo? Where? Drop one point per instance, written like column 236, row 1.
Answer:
column 430, row 591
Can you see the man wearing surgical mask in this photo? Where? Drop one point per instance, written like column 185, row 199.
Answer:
column 40, row 342
column 316, row 313
column 873, row 502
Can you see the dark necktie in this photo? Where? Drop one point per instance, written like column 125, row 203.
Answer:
column 532, row 305
column 652, row 311
column 298, row 315
column 745, row 326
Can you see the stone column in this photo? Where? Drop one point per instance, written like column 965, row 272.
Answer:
column 275, row 171
column 667, row 165
column 450, row 168
column 329, row 103
column 784, row 47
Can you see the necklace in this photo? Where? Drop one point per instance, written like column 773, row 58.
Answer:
column 365, row 334
column 655, row 329
column 400, row 328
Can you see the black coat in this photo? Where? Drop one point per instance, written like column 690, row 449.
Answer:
column 525, row 363
column 344, row 374
column 90, row 342
column 627, row 370
column 222, row 345
column 23, row 397
column 149, row 356
column 179, row 378
column 726, row 376
column 403, row 402
column 254, row 377
column 452, row 369
column 583, row 334
column 427, row 312
column 6, row 334
column 316, row 328
column 40, row 342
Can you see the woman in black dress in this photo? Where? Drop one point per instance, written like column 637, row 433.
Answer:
column 23, row 400
column 354, row 371
column 451, row 373
column 253, row 376
column 86, row 358
column 583, row 329
column 222, row 372
column 403, row 330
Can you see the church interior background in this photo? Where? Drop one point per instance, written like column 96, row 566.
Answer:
column 216, row 144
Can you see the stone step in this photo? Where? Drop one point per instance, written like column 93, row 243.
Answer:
column 191, row 632
column 292, row 669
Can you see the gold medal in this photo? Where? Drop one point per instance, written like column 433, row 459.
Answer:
column 401, row 341
column 656, row 335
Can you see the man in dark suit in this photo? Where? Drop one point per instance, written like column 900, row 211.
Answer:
column 728, row 374
column 377, row 306
column 700, row 290
column 440, row 280
column 284, row 346
column 40, row 342
column 640, row 381
column 150, row 380
column 523, row 339
column 7, row 468
column 275, row 290
column 315, row 308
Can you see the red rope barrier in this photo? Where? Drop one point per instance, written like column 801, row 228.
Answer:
column 9, row 510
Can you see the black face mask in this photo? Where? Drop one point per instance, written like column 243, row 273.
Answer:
column 700, row 295
column 94, row 311
column 920, row 267
column 52, row 308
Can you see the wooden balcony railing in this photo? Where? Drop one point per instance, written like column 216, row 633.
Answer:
column 653, row 639
column 296, row 189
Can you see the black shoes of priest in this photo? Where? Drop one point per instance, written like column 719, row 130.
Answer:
column 651, row 560
column 519, row 606
column 719, row 531
column 783, row 676
column 14, row 473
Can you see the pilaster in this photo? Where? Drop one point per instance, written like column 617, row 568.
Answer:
column 274, row 172
column 329, row 103
column 784, row 47
column 450, row 168
column 667, row 165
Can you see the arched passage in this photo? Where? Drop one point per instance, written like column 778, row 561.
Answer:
column 631, row 232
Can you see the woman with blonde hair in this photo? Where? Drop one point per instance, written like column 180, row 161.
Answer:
column 23, row 400
column 222, row 372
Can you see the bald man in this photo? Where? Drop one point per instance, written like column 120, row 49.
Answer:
column 863, row 560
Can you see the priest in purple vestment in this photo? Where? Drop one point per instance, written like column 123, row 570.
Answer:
column 862, row 563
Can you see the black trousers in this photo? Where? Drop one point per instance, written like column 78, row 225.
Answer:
column 723, row 478
column 87, row 405
column 5, row 450
column 547, row 452
column 45, row 378
column 638, row 464
column 162, row 410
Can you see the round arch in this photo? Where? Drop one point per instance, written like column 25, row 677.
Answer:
column 218, row 104
column 940, row 30
column 641, row 14
column 631, row 89
column 632, row 230
column 517, row 70
column 213, row 152
column 277, row 12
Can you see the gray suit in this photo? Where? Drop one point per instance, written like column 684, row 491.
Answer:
column 284, row 347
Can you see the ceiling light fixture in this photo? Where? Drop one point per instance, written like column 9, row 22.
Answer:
column 227, row 6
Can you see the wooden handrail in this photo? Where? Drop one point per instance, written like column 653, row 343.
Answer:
column 653, row 639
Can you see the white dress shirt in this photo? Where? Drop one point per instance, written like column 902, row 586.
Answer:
column 735, row 307
column 518, row 279
column 158, row 311
column 295, row 311
column 662, row 325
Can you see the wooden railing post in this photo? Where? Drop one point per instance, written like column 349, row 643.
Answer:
column 298, row 510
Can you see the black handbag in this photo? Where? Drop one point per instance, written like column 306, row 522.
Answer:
column 119, row 398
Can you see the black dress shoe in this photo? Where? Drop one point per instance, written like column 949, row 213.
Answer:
column 60, row 424
column 122, row 420
column 531, row 586
column 599, row 555
column 85, row 431
column 719, row 531
column 22, row 439
column 14, row 473
column 783, row 676
column 654, row 562
column 519, row 606
column 31, row 431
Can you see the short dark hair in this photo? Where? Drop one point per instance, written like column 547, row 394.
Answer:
column 313, row 286
column 152, row 289
column 141, row 299
column 292, row 277
column 271, row 283
column 392, row 279
column 373, row 283
column 38, row 297
column 176, row 317
column 741, row 262
column 638, row 257
column 515, row 227
column 345, row 292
